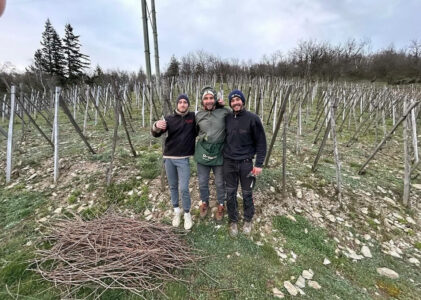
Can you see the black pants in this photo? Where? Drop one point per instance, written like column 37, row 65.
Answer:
column 236, row 171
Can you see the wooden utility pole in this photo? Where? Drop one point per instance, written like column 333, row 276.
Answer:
column 146, row 41
column 155, row 41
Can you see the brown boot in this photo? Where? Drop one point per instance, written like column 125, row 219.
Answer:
column 220, row 213
column 247, row 227
column 204, row 208
column 233, row 230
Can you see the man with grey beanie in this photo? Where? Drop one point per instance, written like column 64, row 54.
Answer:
column 208, row 152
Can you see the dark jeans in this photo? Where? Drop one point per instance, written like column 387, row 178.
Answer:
column 236, row 171
column 203, row 173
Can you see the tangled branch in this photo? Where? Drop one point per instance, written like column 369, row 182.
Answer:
column 113, row 252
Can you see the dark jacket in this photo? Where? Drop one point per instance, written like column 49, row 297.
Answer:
column 245, row 137
column 181, row 134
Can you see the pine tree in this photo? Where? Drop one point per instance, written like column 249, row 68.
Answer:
column 76, row 62
column 38, row 61
column 173, row 68
column 58, row 55
column 50, row 58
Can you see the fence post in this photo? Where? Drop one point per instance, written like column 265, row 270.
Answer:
column 10, row 135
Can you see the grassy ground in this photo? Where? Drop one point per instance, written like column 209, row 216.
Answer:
column 241, row 268
column 232, row 268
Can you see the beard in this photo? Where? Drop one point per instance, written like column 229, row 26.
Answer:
column 235, row 107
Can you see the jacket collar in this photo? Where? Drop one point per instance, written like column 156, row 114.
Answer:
column 240, row 113
column 181, row 114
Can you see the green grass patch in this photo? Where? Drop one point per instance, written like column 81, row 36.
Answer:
column 150, row 165
column 344, row 278
column 233, row 268
column 16, row 205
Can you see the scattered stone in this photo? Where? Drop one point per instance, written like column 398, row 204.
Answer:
column 388, row 273
column 326, row 261
column 277, row 293
column 394, row 254
column 301, row 282
column 58, row 210
column 272, row 189
column 291, row 260
column 366, row 251
column 331, row 218
column 314, row 284
column 414, row 260
column 411, row 221
column 292, row 218
column 364, row 210
column 299, row 194
column 149, row 217
column 351, row 254
column 308, row 274
column 316, row 215
column 367, row 237
column 292, row 290
column 397, row 215
column 390, row 201
column 381, row 189
column 237, row 253
column 416, row 186
column 300, row 291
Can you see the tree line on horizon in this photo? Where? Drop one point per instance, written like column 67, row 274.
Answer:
column 314, row 60
column 60, row 61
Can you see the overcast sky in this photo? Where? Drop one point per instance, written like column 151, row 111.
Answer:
column 111, row 30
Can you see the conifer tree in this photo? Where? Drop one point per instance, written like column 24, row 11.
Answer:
column 50, row 58
column 75, row 61
column 174, row 67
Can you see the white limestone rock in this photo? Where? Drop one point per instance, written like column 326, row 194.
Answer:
column 308, row 274
column 301, row 282
column 314, row 284
column 292, row 290
column 366, row 251
column 389, row 273
column 277, row 293
column 414, row 261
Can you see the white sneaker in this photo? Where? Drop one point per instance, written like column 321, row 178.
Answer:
column 177, row 217
column 188, row 223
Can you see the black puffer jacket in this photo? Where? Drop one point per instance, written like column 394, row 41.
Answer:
column 245, row 137
column 181, row 134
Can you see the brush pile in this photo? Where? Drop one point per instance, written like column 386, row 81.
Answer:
column 113, row 252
